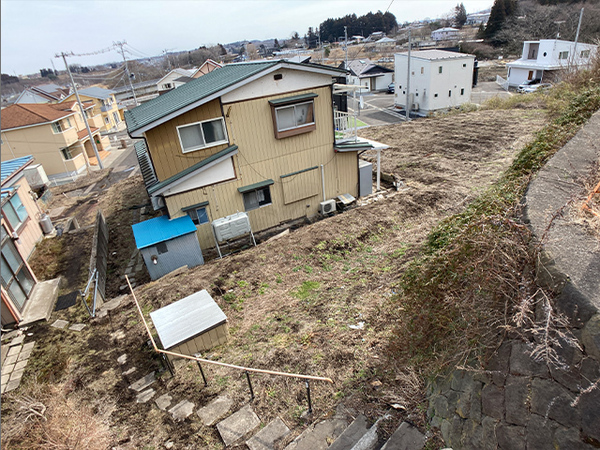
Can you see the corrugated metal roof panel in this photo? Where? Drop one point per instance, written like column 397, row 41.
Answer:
column 254, row 186
column 160, row 229
column 187, row 318
column 12, row 165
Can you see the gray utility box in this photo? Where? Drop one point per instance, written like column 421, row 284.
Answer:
column 365, row 178
column 231, row 227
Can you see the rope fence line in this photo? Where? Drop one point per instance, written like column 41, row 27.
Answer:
column 218, row 363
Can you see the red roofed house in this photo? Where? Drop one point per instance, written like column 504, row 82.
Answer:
column 54, row 134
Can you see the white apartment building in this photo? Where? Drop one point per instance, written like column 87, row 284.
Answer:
column 544, row 58
column 439, row 79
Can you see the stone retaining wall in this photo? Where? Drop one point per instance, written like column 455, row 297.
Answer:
column 516, row 402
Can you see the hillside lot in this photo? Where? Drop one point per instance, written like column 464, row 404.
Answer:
column 317, row 301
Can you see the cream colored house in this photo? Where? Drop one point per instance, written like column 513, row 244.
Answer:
column 252, row 137
column 20, row 232
column 55, row 134
column 105, row 105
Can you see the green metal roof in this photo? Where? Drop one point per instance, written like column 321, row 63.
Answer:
column 191, row 92
column 352, row 146
column 191, row 169
column 203, row 87
column 252, row 187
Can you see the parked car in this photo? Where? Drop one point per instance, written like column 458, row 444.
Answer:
column 527, row 84
column 536, row 88
column 391, row 88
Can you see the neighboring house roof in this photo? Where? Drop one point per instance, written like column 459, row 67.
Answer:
column 183, row 79
column 446, row 29
column 204, row 89
column 178, row 70
column 140, row 85
column 432, row 55
column 47, row 88
column 301, row 59
column 12, row 166
column 207, row 66
column 29, row 96
column 22, row 115
column 160, row 229
column 96, row 92
column 83, row 133
column 366, row 68
column 385, row 40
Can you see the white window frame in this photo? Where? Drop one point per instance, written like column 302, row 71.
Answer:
column 293, row 105
column 563, row 55
column 10, row 204
column 66, row 151
column 57, row 127
column 268, row 202
column 199, row 124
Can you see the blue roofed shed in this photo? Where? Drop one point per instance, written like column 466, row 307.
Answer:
column 167, row 244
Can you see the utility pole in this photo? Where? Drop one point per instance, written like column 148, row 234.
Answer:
column 577, row 35
column 120, row 45
column 87, row 125
column 346, row 46
column 408, row 81
column 52, row 62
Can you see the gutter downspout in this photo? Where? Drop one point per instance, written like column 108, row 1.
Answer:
column 323, row 181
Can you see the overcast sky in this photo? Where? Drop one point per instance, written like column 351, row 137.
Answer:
column 34, row 31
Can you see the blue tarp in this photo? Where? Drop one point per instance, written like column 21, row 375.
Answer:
column 160, row 229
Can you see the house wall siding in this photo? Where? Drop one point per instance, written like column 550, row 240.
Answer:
column 261, row 157
column 205, row 341
column 182, row 251
column 165, row 148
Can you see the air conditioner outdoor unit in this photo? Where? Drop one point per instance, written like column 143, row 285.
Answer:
column 326, row 207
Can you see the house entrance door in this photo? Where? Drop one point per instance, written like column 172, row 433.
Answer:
column 530, row 75
column 16, row 278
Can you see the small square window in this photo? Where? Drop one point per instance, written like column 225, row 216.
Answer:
column 450, row 93
column 462, row 91
column 66, row 153
column 464, row 65
column 56, row 127
column 199, row 215
column 201, row 135
column 257, row 198
column 162, row 248
column 440, row 69
column 294, row 119
column 435, row 95
column 422, row 70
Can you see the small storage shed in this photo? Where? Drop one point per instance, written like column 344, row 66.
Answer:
column 191, row 325
column 167, row 244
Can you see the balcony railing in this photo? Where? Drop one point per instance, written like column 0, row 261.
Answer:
column 106, row 108
column 345, row 126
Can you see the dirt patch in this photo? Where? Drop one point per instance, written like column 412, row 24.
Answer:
column 317, row 301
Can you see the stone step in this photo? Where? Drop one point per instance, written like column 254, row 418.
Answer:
column 215, row 410
column 266, row 438
column 406, row 437
column 351, row 435
column 143, row 382
column 317, row 437
column 368, row 441
column 238, row 425
column 182, row 410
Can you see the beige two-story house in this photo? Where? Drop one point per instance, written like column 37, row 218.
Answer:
column 55, row 134
column 254, row 137
column 105, row 105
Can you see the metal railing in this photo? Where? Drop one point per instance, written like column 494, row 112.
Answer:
column 245, row 370
column 502, row 82
column 345, row 125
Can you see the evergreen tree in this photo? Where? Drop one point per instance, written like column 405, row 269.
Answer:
column 460, row 15
column 501, row 11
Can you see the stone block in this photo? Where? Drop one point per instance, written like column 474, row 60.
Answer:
column 498, row 365
column 29, row 346
column 521, row 362
column 143, row 382
column 492, row 401
column 463, row 381
column 456, row 431
column 445, row 428
column 17, row 341
column 12, row 385
column 489, row 426
column 14, row 351
column 590, row 371
column 238, row 425
column 7, row 369
column 122, row 359
column 163, row 402
column 60, row 324
column 215, row 410
column 16, row 374
column 21, row 365
column 440, row 407
column 511, row 437
column 475, row 412
column 144, row 396
column 516, row 395
column 24, row 356
column 129, row 371
column 266, row 438
column 589, row 405
column 591, row 337
column 550, row 399
column 182, row 410
column 463, row 405
column 569, row 438
column 11, row 360
column 77, row 327
column 351, row 435
column 540, row 432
